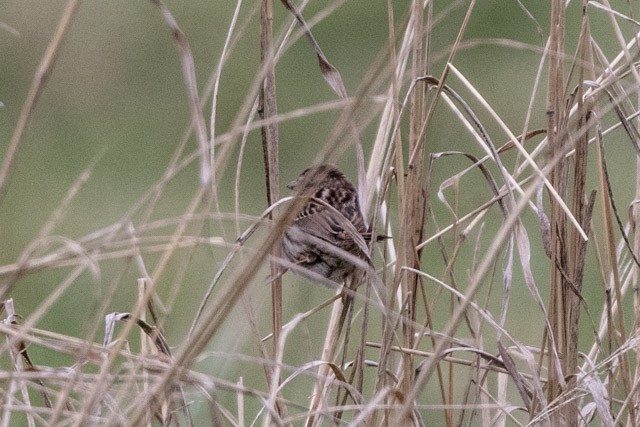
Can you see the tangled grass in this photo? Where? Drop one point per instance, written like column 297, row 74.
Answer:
column 435, row 337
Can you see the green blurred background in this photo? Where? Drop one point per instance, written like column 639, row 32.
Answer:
column 117, row 99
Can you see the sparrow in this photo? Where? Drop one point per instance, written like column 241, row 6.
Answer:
column 328, row 236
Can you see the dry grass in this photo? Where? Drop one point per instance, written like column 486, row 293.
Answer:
column 435, row 337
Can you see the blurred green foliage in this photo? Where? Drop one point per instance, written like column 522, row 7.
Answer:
column 117, row 98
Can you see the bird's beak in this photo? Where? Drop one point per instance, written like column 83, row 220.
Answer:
column 293, row 184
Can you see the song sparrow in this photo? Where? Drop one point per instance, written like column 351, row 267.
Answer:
column 327, row 236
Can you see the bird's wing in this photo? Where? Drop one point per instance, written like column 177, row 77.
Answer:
column 329, row 225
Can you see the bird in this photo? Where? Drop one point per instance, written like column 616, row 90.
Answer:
column 328, row 236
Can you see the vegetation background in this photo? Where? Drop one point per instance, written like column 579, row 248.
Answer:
column 115, row 108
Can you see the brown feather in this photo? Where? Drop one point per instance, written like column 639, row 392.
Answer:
column 327, row 236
